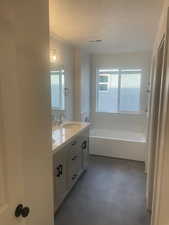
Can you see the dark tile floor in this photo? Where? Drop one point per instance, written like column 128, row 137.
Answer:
column 111, row 192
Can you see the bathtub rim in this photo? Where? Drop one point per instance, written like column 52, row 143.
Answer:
column 126, row 139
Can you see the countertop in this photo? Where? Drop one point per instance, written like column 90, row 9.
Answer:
column 63, row 135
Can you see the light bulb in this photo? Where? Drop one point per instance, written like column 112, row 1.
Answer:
column 54, row 58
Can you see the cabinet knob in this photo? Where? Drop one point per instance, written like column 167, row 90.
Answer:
column 74, row 176
column 75, row 157
column 74, row 143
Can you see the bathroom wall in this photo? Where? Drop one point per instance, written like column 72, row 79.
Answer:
column 129, row 122
column 65, row 56
column 82, row 85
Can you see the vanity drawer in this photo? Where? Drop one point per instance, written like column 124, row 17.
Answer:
column 74, row 147
column 74, row 168
column 74, row 155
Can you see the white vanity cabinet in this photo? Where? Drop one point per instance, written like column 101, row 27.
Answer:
column 68, row 164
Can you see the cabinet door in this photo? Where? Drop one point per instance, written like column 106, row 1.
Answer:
column 84, row 143
column 59, row 167
column 85, row 153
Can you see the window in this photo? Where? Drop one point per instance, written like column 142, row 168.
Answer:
column 118, row 90
column 57, row 88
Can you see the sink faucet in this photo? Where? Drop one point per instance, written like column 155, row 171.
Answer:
column 60, row 117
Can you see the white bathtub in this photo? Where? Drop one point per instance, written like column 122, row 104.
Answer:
column 118, row 144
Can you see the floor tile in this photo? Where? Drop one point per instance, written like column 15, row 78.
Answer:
column 111, row 192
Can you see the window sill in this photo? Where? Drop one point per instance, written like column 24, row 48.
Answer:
column 124, row 113
column 57, row 109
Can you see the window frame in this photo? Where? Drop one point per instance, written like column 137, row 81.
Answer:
column 61, row 88
column 119, row 71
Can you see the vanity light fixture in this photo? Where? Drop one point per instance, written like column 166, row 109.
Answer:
column 53, row 56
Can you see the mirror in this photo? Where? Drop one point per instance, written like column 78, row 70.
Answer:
column 57, row 80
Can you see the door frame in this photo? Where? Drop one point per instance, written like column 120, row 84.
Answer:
column 162, row 143
column 154, row 112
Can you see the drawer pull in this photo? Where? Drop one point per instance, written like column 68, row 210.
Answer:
column 74, row 143
column 74, row 176
column 75, row 157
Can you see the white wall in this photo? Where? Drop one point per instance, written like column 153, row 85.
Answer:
column 136, row 123
column 65, row 56
column 82, row 85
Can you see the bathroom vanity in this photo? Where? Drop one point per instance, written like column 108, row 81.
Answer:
column 70, row 157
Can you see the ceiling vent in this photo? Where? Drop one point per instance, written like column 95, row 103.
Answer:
column 95, row 40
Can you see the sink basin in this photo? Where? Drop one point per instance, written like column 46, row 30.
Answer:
column 70, row 125
column 53, row 141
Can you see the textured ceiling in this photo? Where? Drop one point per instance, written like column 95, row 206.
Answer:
column 123, row 25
